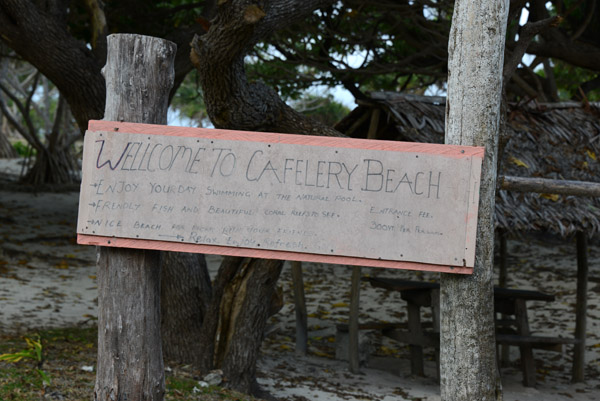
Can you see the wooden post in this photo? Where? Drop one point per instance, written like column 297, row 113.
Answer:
column 300, row 306
column 353, row 321
column 139, row 75
column 581, row 307
column 503, row 282
column 416, row 351
column 527, row 361
column 475, row 60
column 353, row 352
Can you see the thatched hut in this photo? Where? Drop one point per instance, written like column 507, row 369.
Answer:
column 540, row 141
column 557, row 141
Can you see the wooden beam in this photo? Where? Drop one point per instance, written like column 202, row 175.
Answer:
column 549, row 186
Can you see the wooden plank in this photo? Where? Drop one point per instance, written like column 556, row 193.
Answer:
column 189, row 197
column 529, row 295
column 425, row 339
column 97, row 240
column 370, row 326
column 534, row 341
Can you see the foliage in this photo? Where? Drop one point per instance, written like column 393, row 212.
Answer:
column 35, row 109
column 569, row 80
column 24, row 150
column 188, row 100
column 400, row 46
column 323, row 108
column 65, row 352
column 34, row 352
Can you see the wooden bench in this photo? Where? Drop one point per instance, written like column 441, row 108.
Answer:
column 514, row 331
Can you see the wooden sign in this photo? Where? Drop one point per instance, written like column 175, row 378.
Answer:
column 339, row 200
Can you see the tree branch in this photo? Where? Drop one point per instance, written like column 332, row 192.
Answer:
column 526, row 35
column 67, row 62
column 31, row 136
column 15, row 123
column 231, row 101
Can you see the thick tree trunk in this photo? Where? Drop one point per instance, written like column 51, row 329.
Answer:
column 244, row 289
column 139, row 75
column 45, row 42
column 248, row 313
column 467, row 341
column 6, row 149
column 52, row 167
column 185, row 295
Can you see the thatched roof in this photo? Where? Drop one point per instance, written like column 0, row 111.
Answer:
column 558, row 141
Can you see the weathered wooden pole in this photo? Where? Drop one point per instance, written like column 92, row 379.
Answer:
column 475, row 62
column 580, row 307
column 139, row 75
column 550, row 186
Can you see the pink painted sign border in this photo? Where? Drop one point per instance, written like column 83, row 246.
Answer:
column 452, row 151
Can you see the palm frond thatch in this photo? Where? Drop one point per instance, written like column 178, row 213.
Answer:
column 558, row 141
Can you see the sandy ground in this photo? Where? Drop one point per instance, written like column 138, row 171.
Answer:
column 46, row 280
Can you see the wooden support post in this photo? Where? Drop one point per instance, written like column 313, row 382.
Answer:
column 503, row 282
column 435, row 317
column 467, row 334
column 300, row 306
column 374, row 124
column 503, row 276
column 581, row 307
column 527, row 361
column 139, row 75
column 416, row 351
column 353, row 321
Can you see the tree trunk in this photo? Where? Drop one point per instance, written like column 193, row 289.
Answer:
column 467, row 340
column 66, row 61
column 248, row 315
column 139, row 75
column 185, row 295
column 244, row 290
column 52, row 167
column 6, row 149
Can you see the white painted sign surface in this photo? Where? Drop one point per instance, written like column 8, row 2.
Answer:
column 376, row 204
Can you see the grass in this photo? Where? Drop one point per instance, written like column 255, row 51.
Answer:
column 65, row 352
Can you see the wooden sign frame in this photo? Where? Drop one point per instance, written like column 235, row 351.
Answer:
column 475, row 154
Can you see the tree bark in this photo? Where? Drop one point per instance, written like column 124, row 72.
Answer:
column 244, row 289
column 42, row 37
column 467, row 340
column 185, row 295
column 45, row 42
column 139, row 75
column 6, row 149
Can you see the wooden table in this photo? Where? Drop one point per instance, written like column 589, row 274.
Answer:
column 512, row 331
